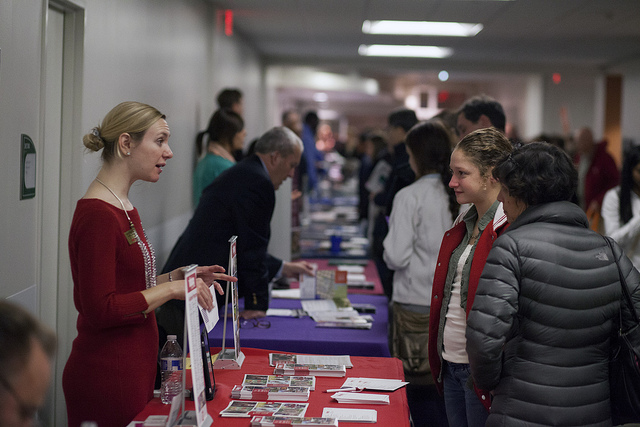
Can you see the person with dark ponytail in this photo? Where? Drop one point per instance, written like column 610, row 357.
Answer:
column 226, row 135
column 621, row 207
column 420, row 215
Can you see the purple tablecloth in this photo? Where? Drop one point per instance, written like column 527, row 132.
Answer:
column 300, row 335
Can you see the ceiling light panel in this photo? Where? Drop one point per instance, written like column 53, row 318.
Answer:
column 421, row 28
column 406, row 51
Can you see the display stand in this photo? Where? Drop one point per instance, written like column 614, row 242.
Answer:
column 199, row 417
column 231, row 358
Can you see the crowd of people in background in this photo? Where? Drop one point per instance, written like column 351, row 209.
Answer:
column 489, row 250
column 552, row 198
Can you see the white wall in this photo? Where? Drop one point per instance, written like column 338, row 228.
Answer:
column 20, row 52
column 155, row 52
column 631, row 107
column 162, row 52
column 579, row 94
column 630, row 100
column 238, row 65
column 225, row 62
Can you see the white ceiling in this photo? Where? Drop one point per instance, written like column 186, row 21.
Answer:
column 521, row 36
column 518, row 35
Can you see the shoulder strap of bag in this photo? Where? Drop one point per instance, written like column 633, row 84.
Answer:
column 625, row 288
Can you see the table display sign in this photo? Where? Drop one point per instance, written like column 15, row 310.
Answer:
column 192, row 323
column 332, row 284
column 231, row 358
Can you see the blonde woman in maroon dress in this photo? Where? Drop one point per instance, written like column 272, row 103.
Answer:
column 109, row 376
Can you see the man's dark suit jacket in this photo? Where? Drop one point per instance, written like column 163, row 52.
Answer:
column 239, row 202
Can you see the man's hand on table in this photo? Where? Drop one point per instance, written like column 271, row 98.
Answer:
column 294, row 269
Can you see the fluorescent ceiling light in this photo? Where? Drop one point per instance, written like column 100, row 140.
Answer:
column 320, row 97
column 421, row 28
column 405, row 51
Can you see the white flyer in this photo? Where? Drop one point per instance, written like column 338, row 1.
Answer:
column 351, row 415
column 210, row 317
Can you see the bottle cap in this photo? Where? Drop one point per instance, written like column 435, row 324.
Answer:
column 172, row 337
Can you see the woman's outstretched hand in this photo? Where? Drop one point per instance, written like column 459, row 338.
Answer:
column 212, row 274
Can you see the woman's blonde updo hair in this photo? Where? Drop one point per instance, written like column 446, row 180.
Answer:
column 131, row 117
column 485, row 148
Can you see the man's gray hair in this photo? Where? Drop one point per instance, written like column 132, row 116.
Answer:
column 278, row 139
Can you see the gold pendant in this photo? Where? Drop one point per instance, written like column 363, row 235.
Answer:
column 131, row 236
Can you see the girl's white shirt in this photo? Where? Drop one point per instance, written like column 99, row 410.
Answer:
column 627, row 235
column 419, row 218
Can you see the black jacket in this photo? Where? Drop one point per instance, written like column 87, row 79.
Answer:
column 239, row 202
column 539, row 332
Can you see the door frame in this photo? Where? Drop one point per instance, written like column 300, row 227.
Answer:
column 63, row 317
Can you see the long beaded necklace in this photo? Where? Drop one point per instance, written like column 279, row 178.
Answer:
column 148, row 254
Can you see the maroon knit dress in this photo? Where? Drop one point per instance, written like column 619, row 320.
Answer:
column 110, row 374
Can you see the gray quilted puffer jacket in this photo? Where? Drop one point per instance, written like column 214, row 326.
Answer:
column 539, row 332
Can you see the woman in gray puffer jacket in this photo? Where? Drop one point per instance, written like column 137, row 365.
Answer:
column 547, row 304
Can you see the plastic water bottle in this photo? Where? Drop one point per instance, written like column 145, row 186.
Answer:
column 171, row 366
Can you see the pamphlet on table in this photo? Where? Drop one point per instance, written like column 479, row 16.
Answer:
column 377, row 384
column 326, row 313
column 278, row 394
column 293, row 421
column 352, row 415
column 244, row 409
column 279, row 381
column 309, row 359
column 316, row 370
column 361, row 398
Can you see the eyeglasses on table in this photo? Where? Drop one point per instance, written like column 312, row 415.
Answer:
column 255, row 323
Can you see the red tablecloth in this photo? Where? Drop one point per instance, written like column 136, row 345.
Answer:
column 257, row 362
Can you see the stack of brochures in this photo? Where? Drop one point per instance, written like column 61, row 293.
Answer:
column 280, row 381
column 306, row 359
column 352, row 415
column 361, row 398
column 278, row 394
column 274, row 387
column 350, row 322
column 293, row 421
column 244, row 409
column 311, row 369
column 356, row 277
column 377, row 384
column 326, row 314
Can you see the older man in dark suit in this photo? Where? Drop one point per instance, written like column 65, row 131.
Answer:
column 240, row 202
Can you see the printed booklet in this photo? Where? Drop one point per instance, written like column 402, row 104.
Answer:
column 309, row 359
column 280, row 394
column 315, row 370
column 293, row 421
column 246, row 409
column 280, row 381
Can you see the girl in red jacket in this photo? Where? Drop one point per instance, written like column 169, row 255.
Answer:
column 461, row 259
